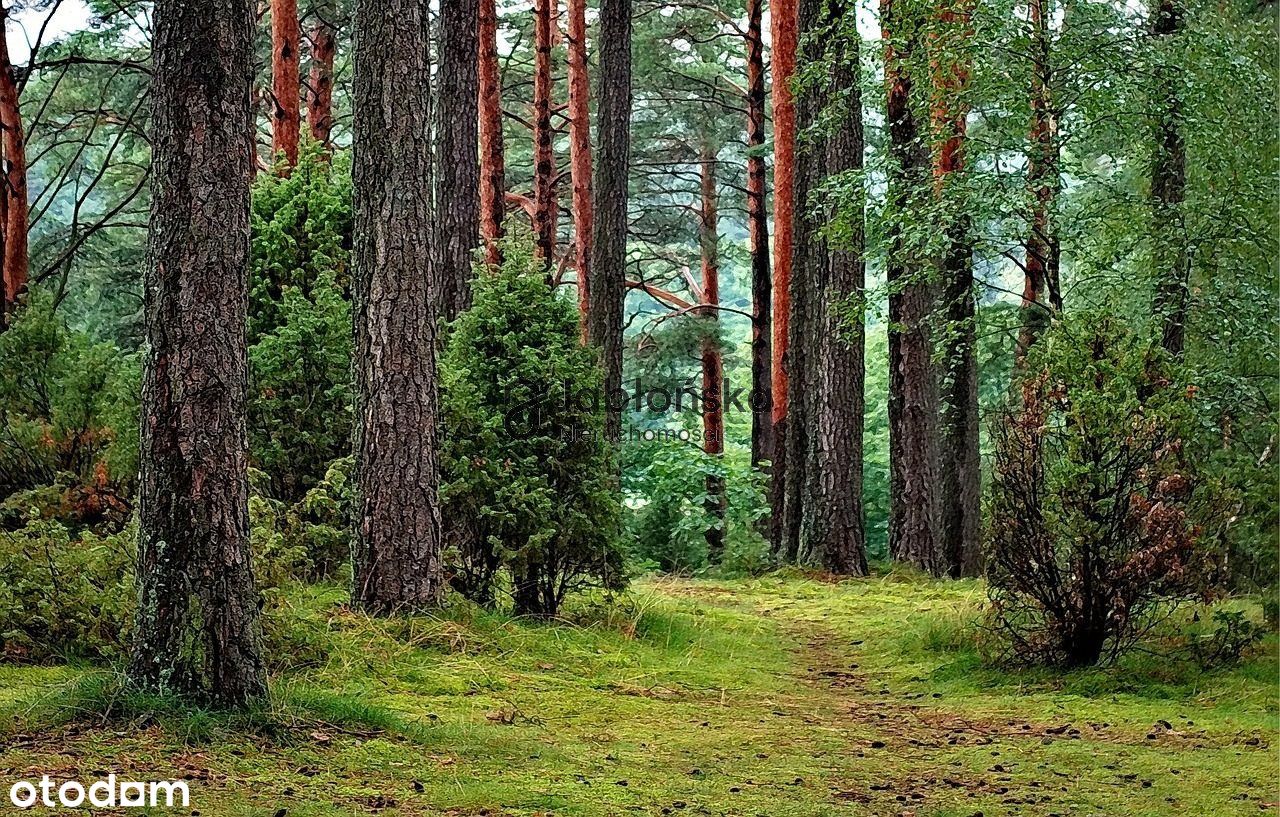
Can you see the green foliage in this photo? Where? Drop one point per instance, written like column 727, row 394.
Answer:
column 64, row 596
column 666, row 515
column 527, row 471
column 69, row 594
column 1095, row 513
column 300, row 406
column 68, row 413
column 301, row 232
column 1233, row 636
column 307, row 541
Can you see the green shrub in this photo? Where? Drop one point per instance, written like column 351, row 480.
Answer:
column 667, row 517
column 527, row 470
column 1232, row 637
column 64, row 596
column 68, row 418
column 300, row 399
column 300, row 404
column 320, row 522
column 1095, row 512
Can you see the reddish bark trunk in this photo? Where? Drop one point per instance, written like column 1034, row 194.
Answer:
column 580, row 155
column 286, row 91
column 324, row 49
column 712, row 362
column 15, row 263
column 783, row 22
column 544, row 160
column 492, row 158
column 758, row 241
column 1040, row 291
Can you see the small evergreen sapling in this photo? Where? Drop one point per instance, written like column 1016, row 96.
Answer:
column 526, row 466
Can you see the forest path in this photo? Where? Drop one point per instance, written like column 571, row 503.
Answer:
column 930, row 732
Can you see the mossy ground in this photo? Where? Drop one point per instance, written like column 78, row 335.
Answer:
column 782, row 696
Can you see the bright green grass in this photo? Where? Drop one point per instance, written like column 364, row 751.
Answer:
column 779, row 696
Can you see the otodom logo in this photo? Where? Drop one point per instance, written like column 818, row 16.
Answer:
column 109, row 793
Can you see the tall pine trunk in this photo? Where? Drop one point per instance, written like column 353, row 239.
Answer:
column 831, row 523
column 712, row 362
column 783, row 22
column 197, row 629
column 758, row 242
column 397, row 549
column 609, row 241
column 961, row 479
column 492, row 157
column 914, row 465
column 286, row 89
column 1041, row 293
column 544, row 159
column 324, row 50
column 580, row 155
column 457, row 168
column 15, row 259
column 1171, row 259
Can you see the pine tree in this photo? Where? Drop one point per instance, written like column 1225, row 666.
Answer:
column 457, row 168
column 197, row 626
column 397, row 551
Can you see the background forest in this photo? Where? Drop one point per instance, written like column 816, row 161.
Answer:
column 975, row 298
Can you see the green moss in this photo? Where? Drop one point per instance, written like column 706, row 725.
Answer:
column 763, row 697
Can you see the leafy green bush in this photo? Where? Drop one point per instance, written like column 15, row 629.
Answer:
column 667, row 516
column 1095, row 513
column 320, row 522
column 68, row 418
column 68, row 594
column 525, row 463
column 301, row 230
column 64, row 596
column 300, row 401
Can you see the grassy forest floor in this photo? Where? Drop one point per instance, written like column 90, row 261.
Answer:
column 780, row 696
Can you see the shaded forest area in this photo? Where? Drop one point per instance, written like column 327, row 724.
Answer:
column 471, row 322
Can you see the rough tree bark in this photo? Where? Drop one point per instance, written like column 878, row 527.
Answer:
column 783, row 22
column 831, row 524
column 15, row 259
column 580, row 155
column 961, row 480
column 492, row 158
column 324, row 50
column 712, row 363
column 914, row 493
column 609, row 241
column 197, row 629
column 1172, row 262
column 758, row 242
column 1041, row 293
column 544, row 159
column 397, row 550
column 457, row 168
column 286, row 89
